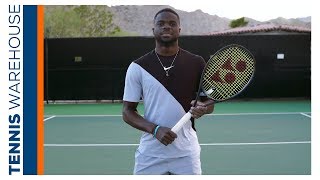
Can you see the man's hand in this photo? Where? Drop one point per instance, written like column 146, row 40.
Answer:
column 199, row 110
column 165, row 135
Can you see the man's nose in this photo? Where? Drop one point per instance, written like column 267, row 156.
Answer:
column 166, row 26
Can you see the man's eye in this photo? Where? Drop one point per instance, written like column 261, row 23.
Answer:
column 173, row 24
column 160, row 23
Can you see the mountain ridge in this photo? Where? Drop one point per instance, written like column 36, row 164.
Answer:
column 138, row 19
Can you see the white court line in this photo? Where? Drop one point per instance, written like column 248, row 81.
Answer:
column 305, row 115
column 204, row 144
column 259, row 143
column 271, row 113
column 88, row 115
column 49, row 118
column 227, row 114
column 88, row 145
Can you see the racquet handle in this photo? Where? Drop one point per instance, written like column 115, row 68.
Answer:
column 181, row 122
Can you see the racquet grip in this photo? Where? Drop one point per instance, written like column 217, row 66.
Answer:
column 181, row 122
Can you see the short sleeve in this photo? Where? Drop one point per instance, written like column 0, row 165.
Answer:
column 133, row 86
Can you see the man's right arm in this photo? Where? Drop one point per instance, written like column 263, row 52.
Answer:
column 134, row 119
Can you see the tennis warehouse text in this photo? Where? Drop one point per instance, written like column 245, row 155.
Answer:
column 15, row 92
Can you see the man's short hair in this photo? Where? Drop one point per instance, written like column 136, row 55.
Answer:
column 166, row 10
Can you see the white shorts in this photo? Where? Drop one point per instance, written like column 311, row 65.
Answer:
column 188, row 165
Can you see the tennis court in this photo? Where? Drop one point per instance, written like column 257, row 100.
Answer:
column 241, row 137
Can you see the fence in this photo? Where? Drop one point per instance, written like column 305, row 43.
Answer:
column 94, row 68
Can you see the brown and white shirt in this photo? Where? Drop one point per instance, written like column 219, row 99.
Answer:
column 166, row 98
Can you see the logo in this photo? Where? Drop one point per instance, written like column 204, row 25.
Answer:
column 231, row 69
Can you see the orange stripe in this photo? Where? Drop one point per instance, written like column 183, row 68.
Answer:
column 40, row 88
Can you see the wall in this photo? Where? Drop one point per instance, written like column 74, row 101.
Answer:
column 100, row 75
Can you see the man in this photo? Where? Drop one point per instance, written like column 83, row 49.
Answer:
column 167, row 79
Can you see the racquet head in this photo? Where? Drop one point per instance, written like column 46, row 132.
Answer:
column 228, row 72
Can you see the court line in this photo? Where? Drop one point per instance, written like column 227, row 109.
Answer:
column 227, row 114
column 258, row 143
column 305, row 115
column 49, row 118
column 88, row 115
column 203, row 144
column 271, row 113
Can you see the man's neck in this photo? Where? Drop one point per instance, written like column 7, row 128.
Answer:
column 167, row 50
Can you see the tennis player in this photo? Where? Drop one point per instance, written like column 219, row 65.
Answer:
column 167, row 79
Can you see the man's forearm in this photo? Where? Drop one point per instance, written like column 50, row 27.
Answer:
column 135, row 120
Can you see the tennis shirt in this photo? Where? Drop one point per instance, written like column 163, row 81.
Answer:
column 166, row 99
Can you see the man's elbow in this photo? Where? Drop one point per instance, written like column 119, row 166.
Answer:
column 125, row 115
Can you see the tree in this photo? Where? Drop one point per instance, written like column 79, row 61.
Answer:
column 60, row 21
column 96, row 21
column 79, row 21
column 238, row 23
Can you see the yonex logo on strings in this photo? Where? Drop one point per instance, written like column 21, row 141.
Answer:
column 230, row 76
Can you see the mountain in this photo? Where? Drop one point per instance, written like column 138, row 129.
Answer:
column 138, row 19
column 305, row 19
column 295, row 22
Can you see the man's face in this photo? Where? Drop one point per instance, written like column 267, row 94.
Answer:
column 166, row 28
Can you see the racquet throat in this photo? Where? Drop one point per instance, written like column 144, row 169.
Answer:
column 167, row 69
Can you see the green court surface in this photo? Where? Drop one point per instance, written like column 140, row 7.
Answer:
column 240, row 137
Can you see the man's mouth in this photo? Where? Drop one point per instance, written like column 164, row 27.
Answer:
column 166, row 34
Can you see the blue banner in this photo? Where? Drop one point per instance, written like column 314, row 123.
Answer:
column 30, row 90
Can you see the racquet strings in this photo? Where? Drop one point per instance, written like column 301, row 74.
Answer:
column 227, row 73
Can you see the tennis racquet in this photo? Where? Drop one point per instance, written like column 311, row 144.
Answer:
column 227, row 73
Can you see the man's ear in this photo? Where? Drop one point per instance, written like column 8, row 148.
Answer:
column 153, row 31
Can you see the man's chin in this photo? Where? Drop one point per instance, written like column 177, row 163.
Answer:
column 168, row 40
